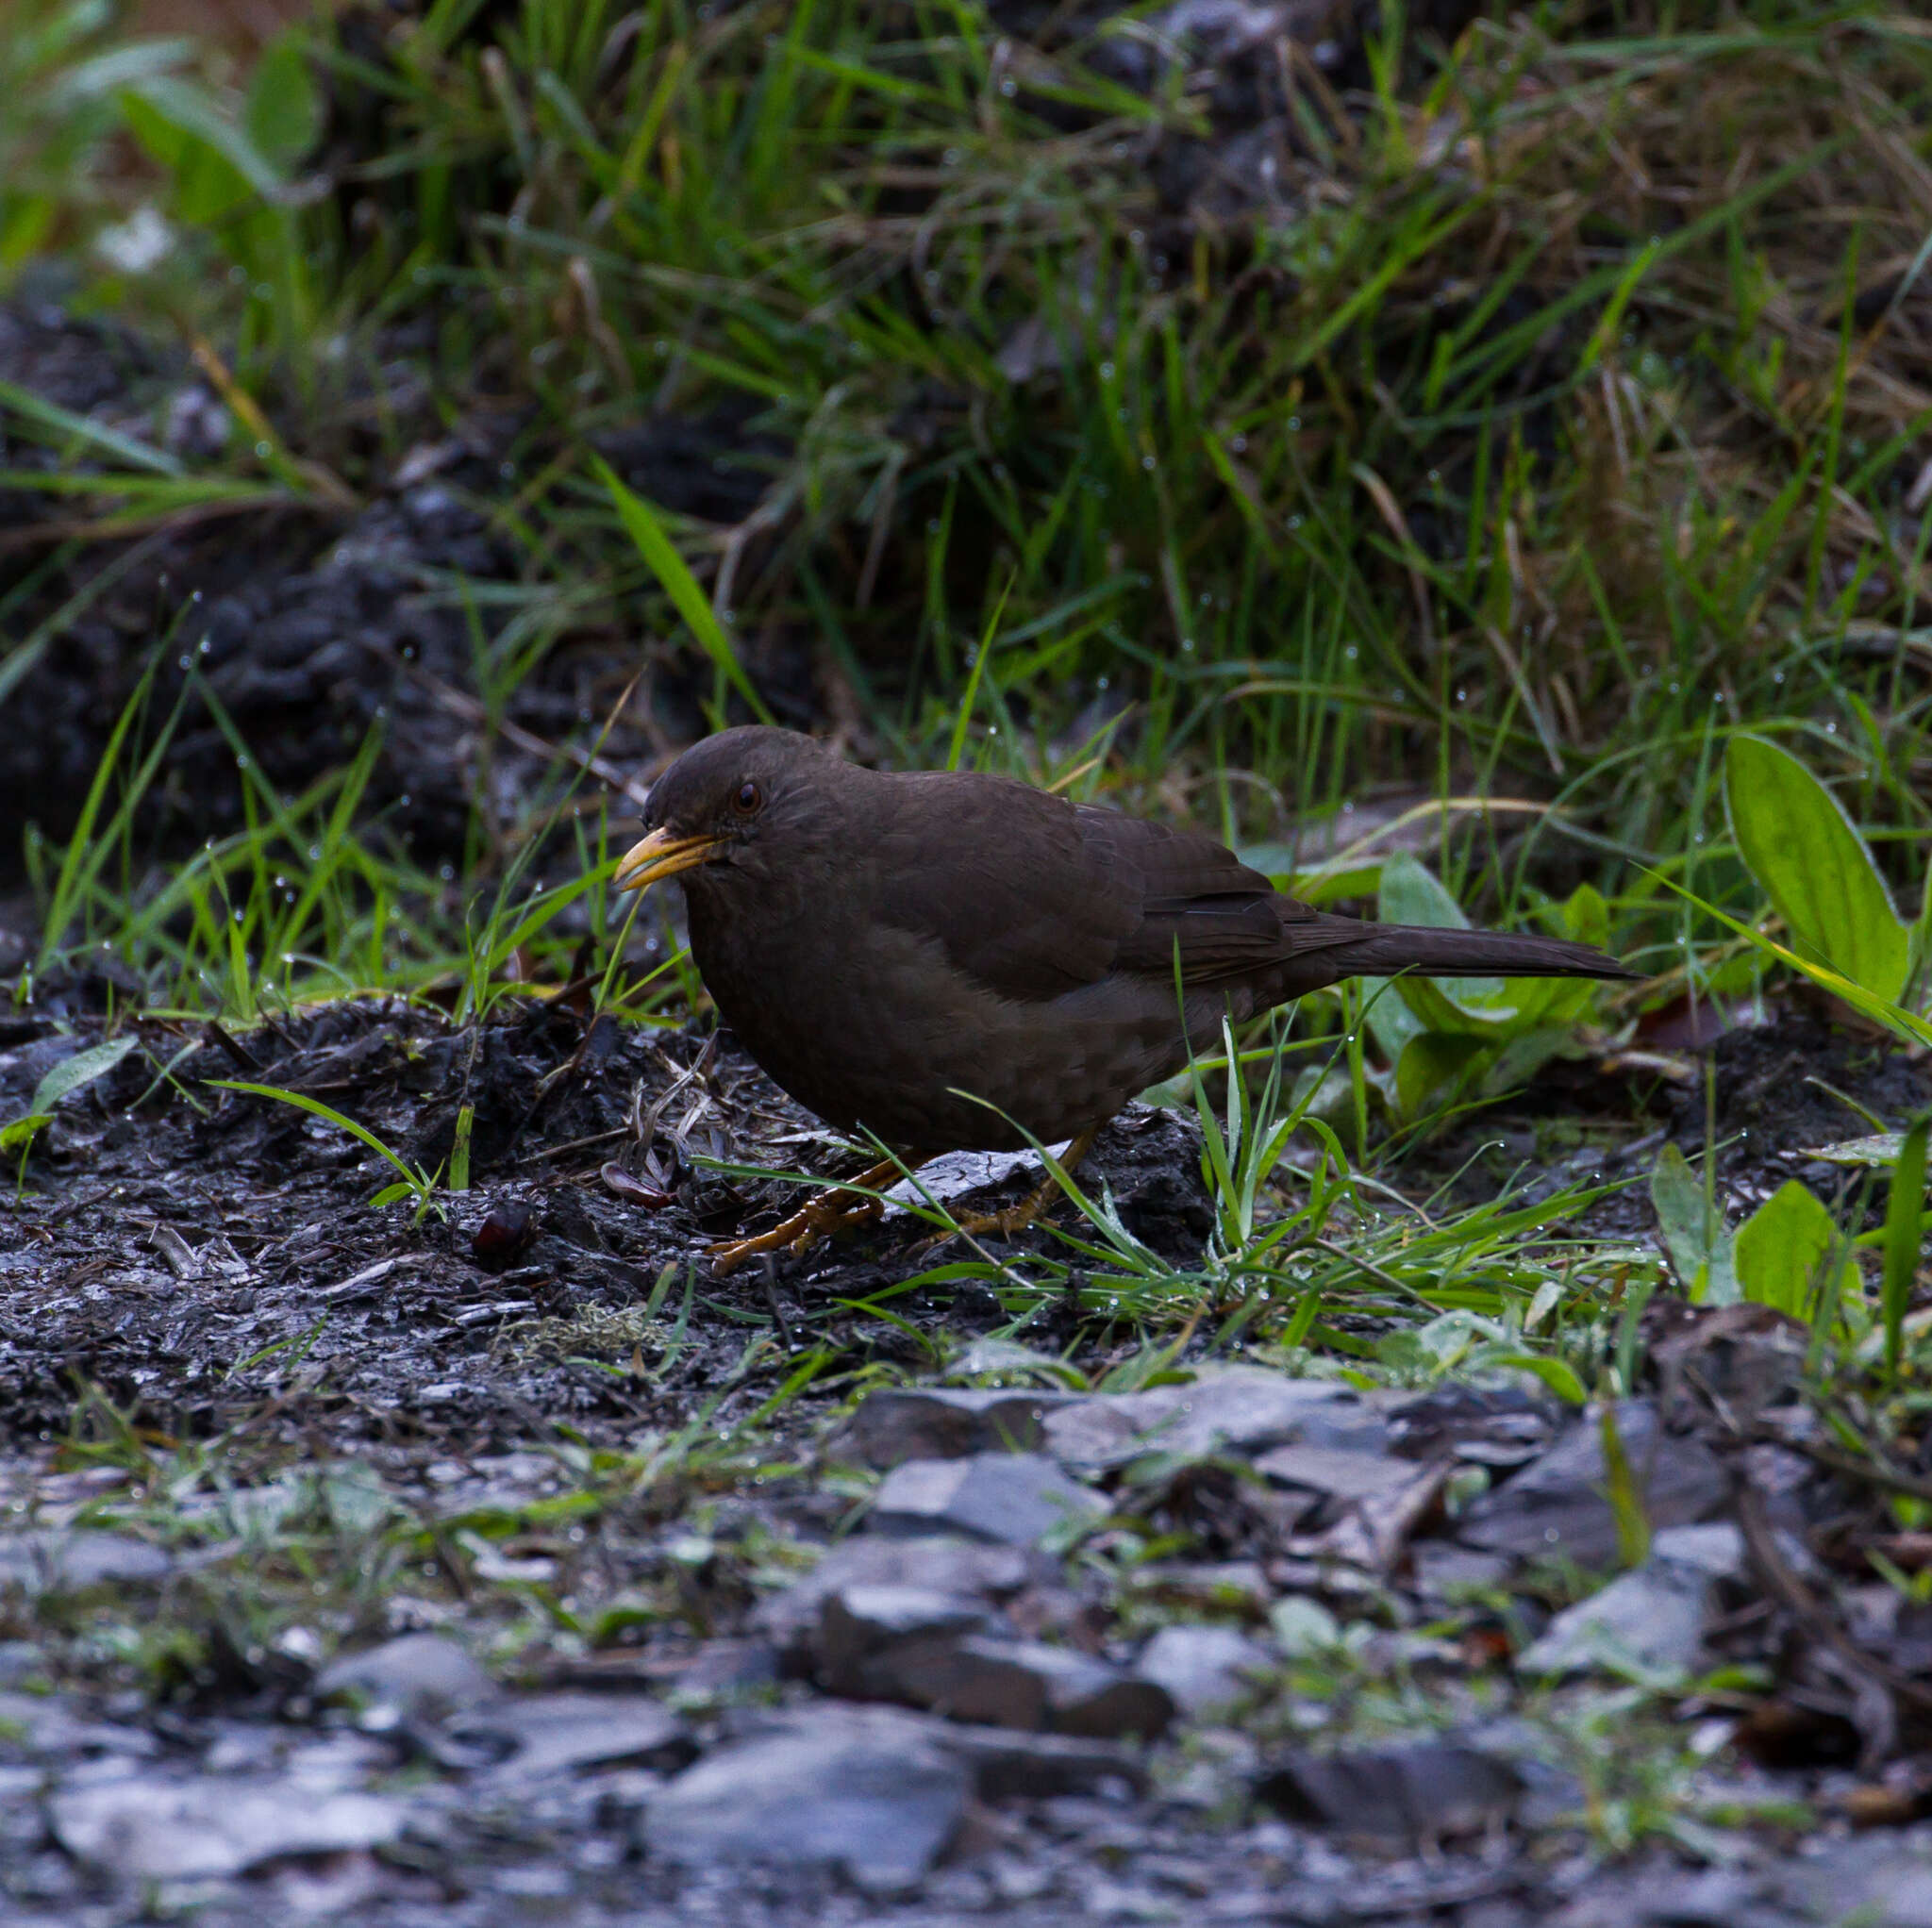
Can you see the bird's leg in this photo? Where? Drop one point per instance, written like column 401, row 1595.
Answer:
column 830, row 1211
column 1017, row 1218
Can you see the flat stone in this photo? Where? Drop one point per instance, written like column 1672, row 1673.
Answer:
column 1556, row 1506
column 1673, row 1896
column 1443, row 1568
column 1008, row 1764
column 1015, row 1499
column 1414, row 1795
column 864, row 1790
column 943, row 1423
column 415, row 1676
column 936, row 1563
column 1334, row 1474
column 1241, row 1409
column 1716, row 1548
column 1647, row 1623
column 1025, row 1683
column 563, row 1733
column 51, row 1561
column 45, row 1724
column 1875, row 1882
column 1202, row 1666
column 149, row 1829
column 860, row 1626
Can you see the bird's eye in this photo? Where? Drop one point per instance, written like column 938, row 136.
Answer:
column 748, row 799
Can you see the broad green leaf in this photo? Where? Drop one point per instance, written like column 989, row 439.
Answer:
column 283, row 115
column 661, row 555
column 1412, row 893
column 1810, row 861
column 1587, row 916
column 1781, row 1248
column 1904, row 1217
column 82, row 1069
column 1524, row 1056
column 22, row 1131
column 1430, row 1061
column 1482, row 1005
column 1319, row 884
column 1699, row 1243
column 1324, row 886
column 1391, row 1024
column 215, row 166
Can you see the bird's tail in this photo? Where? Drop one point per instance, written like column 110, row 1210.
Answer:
column 1383, row 950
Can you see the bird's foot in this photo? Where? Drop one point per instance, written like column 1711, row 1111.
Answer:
column 838, row 1210
column 1035, row 1205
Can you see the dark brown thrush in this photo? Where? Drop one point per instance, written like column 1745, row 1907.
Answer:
column 886, row 943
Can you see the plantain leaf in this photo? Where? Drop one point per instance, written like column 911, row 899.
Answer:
column 72, row 1074
column 1697, row 1239
column 1810, row 861
column 1782, row 1248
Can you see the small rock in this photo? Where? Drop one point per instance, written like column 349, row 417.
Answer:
column 1011, row 1766
column 1414, row 1795
column 941, row 1422
column 1442, row 1569
column 19, row 1661
column 212, row 1828
column 1243, row 1409
column 45, row 1724
column 1649, row 1622
column 1336, row 1474
column 1874, row 1881
column 1202, row 1666
column 1015, row 1499
column 414, row 1677
column 1716, row 1548
column 1025, row 1684
column 1558, row 1505
column 552, row 1734
column 938, row 1563
column 863, row 1790
column 57, row 1562
column 859, row 1628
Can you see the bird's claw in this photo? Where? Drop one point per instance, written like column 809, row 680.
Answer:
column 1015, row 1219
column 829, row 1212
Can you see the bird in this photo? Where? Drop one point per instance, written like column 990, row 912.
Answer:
column 953, row 960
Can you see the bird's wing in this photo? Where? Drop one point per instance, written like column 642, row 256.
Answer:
column 1004, row 879
column 1033, row 896
column 1226, row 920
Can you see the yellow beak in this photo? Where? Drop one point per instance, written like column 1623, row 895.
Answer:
column 661, row 855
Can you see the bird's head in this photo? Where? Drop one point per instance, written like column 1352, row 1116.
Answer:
column 733, row 802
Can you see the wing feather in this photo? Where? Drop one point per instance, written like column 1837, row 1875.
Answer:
column 1033, row 896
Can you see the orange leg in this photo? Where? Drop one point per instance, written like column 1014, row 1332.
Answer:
column 830, row 1211
column 1017, row 1218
